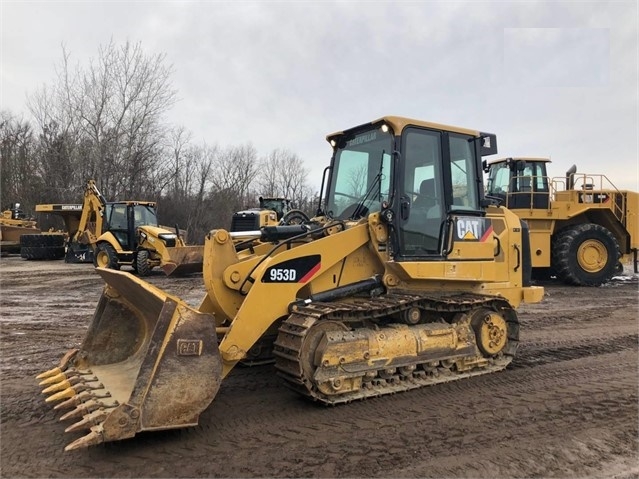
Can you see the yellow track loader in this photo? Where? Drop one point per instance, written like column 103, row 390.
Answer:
column 407, row 277
column 114, row 234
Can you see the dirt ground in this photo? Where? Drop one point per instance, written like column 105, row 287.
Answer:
column 566, row 407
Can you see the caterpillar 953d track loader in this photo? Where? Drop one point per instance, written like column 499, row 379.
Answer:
column 118, row 233
column 406, row 277
column 581, row 226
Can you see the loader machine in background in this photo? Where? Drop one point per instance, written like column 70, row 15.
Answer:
column 581, row 226
column 13, row 224
column 121, row 233
column 406, row 277
column 20, row 234
column 272, row 211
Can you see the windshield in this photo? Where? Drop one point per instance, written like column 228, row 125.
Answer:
column 144, row 216
column 498, row 179
column 275, row 204
column 360, row 179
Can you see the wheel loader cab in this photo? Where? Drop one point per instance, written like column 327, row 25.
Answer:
column 519, row 183
column 280, row 206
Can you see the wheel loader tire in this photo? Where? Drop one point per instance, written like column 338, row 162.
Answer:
column 42, row 240
column 585, row 255
column 142, row 266
column 42, row 252
column 294, row 217
column 105, row 257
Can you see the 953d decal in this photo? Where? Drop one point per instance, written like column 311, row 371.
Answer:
column 297, row 270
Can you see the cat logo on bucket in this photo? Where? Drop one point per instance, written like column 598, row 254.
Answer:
column 472, row 228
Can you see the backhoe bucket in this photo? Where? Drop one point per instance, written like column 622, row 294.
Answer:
column 148, row 362
column 183, row 260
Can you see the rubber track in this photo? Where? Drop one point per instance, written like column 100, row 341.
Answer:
column 289, row 345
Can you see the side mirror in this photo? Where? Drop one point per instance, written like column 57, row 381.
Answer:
column 484, row 166
column 488, row 144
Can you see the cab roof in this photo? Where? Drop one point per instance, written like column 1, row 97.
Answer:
column 398, row 123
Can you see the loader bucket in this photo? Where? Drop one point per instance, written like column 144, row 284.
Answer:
column 148, row 362
column 183, row 260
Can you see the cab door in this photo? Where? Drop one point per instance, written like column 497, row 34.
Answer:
column 422, row 202
column 118, row 224
column 439, row 181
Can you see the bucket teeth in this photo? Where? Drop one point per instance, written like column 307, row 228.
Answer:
column 72, row 391
column 91, row 439
column 86, row 408
column 49, row 373
column 64, row 364
column 89, row 420
column 64, row 384
column 80, row 398
column 68, row 374
column 53, row 379
column 74, row 401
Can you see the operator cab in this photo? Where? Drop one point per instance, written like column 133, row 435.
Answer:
column 281, row 206
column 419, row 175
column 519, row 182
column 124, row 219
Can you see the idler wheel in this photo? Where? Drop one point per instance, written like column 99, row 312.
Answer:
column 491, row 331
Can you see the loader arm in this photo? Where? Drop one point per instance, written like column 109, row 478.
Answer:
column 275, row 283
column 92, row 212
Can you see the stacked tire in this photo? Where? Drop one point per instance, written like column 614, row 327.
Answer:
column 42, row 247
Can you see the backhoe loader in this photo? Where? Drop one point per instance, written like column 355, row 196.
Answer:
column 406, row 277
column 121, row 233
column 581, row 226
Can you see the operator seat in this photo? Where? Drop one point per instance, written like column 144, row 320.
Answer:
column 421, row 231
column 426, row 198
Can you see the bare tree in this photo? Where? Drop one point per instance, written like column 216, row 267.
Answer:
column 111, row 111
column 282, row 173
column 17, row 164
column 234, row 171
column 357, row 181
column 186, row 201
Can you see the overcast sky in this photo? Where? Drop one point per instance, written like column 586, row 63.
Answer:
column 551, row 79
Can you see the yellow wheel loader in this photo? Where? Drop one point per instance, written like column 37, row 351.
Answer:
column 13, row 224
column 407, row 277
column 581, row 226
column 19, row 234
column 114, row 234
column 272, row 211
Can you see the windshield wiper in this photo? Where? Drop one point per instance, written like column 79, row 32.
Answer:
column 377, row 181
